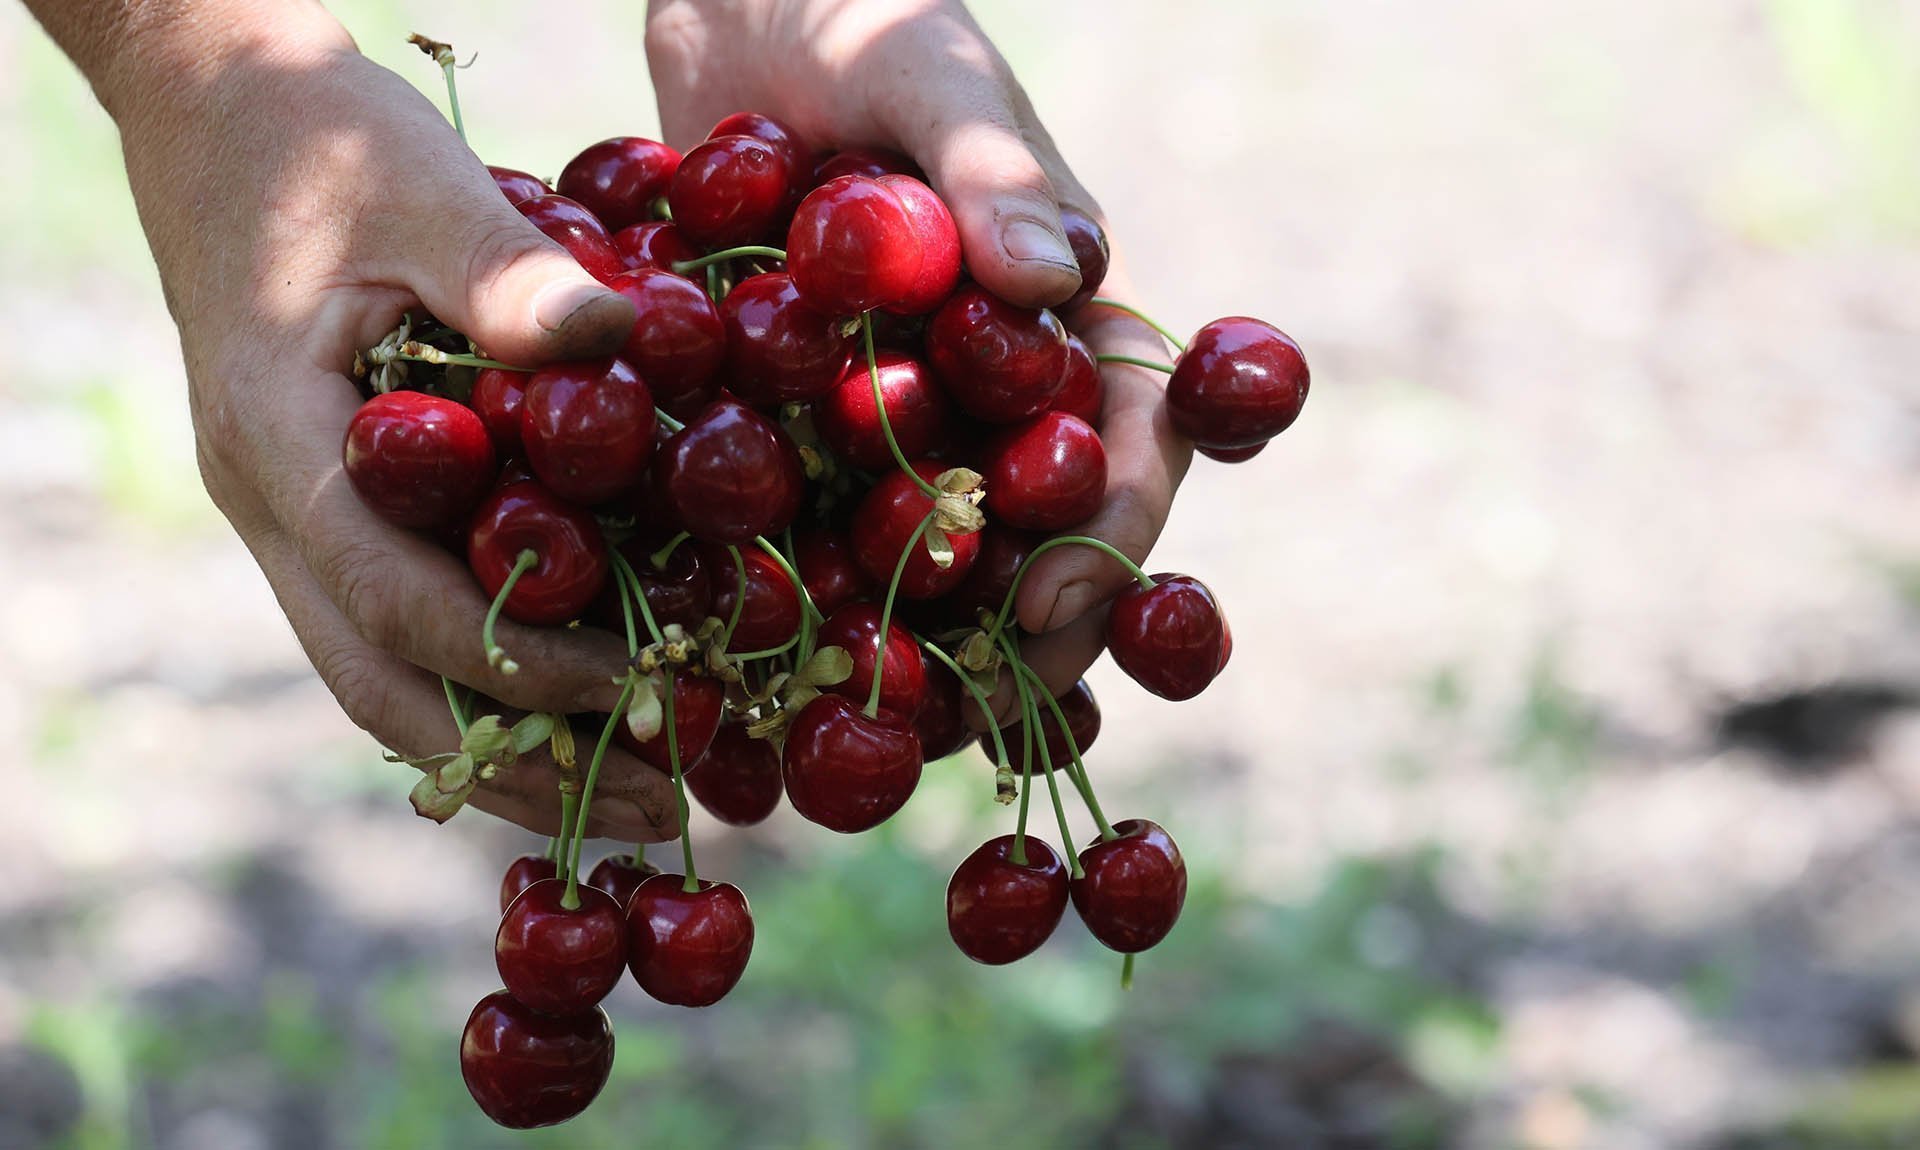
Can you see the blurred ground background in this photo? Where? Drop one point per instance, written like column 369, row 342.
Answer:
column 1563, row 793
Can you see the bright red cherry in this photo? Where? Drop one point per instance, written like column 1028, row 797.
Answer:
column 496, row 399
column 1082, row 390
column 856, row 627
column 528, row 1069
column 587, row 428
column 516, row 185
column 1047, row 473
column 1133, row 886
column 729, row 191
column 917, row 410
column 884, row 525
column 653, row 245
column 619, row 179
column 730, row 474
column 941, row 726
column 571, row 556
column 1233, row 454
column 560, row 961
column 771, row 615
column 939, row 246
column 780, row 138
column 1089, row 243
column 1083, row 723
column 998, row 910
column 416, row 459
column 698, row 705
column 833, row 577
column 688, row 948
column 1170, row 640
column 846, row 771
column 779, row 347
column 739, row 780
column 1240, row 382
column 620, row 876
column 681, row 591
column 577, row 230
column 1000, row 362
column 869, row 162
column 678, row 341
column 854, row 245
column 522, row 873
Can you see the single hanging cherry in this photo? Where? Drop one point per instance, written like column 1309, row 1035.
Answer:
column 688, row 948
column 526, row 1069
column 1171, row 639
column 999, row 910
column 557, row 960
column 1132, row 888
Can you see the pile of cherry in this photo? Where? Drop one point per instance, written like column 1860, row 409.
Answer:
column 805, row 492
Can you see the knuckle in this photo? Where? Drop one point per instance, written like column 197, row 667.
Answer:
column 355, row 574
column 493, row 244
column 359, row 687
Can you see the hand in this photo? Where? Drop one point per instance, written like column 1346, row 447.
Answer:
column 298, row 199
column 920, row 76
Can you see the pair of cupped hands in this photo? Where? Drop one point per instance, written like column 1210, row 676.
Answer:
column 299, row 198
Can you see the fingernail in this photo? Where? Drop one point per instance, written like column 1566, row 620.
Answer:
column 556, row 303
column 1071, row 603
column 1027, row 240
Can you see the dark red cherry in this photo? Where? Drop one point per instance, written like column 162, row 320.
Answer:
column 496, row 399
column 771, row 615
column 730, row 190
column 853, row 245
column 846, row 771
column 416, row 459
column 1233, row 454
column 680, row 591
column 653, row 245
column 1170, row 640
column 780, row 348
column 677, row 342
column 1239, row 383
column 587, row 428
column 780, row 138
column 869, row 162
column 1000, row 362
column 1089, row 243
column 884, row 525
column 998, row 910
column 833, row 577
column 698, row 705
column 730, row 474
column 1083, row 723
column 1003, row 551
column 688, row 948
column 941, row 726
column 570, row 556
column 1046, row 474
column 577, row 230
column 516, row 185
column 1082, row 390
column 619, row 179
column 528, row 1069
column 620, row 876
column 917, row 409
column 856, row 627
column 561, row 961
column 522, row 873
column 1133, row 886
column 939, row 240
column 739, row 780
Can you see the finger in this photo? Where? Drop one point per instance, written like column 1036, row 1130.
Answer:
column 406, row 709
column 1059, row 658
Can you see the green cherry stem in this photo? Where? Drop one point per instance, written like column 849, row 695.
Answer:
column 1013, row 590
column 739, row 597
column 453, row 704
column 667, row 421
column 1026, row 795
column 886, row 616
column 680, row 792
column 659, row 558
column 1151, row 364
column 626, row 613
column 682, row 267
column 623, row 570
column 793, row 576
column 1126, row 973
column 569, row 804
column 1029, row 715
column 1076, row 766
column 443, row 55
column 880, row 409
column 713, row 283
column 572, row 898
column 553, row 844
column 979, row 697
column 496, row 654
column 1143, row 317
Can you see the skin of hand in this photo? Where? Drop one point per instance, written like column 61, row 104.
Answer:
column 921, row 77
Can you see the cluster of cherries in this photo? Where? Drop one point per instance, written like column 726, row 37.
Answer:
column 806, row 491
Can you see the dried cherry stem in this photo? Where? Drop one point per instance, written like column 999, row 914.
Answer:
column 1013, row 590
column 1151, row 364
column 443, row 55
column 739, row 597
column 1143, row 317
column 880, row 410
column 496, row 654
column 1076, row 768
column 416, row 352
column 571, row 900
column 453, row 704
column 624, row 571
column 1029, row 715
column 682, row 267
column 659, row 558
column 692, row 885
column 886, row 616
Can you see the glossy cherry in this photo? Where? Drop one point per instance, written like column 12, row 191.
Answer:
column 570, row 555
column 1083, row 722
column 939, row 240
column 516, row 185
column 417, row 460
column 688, row 948
column 856, row 627
column 739, row 780
column 1046, row 474
column 619, row 179
column 522, row 873
column 730, row 474
column 847, row 771
column 496, row 399
column 587, row 428
column 1000, row 362
column 854, row 245
column 1082, row 390
column 560, row 961
column 576, row 229
column 680, row 591
column 884, row 525
column 620, row 876
column 941, row 726
column 917, row 410
column 1089, row 243
column 1133, row 886
column 1232, row 454
column 653, row 245
column 678, row 341
column 772, row 612
column 730, row 190
column 780, row 138
column 998, row 910
column 1170, row 640
column 870, row 162
column 779, row 347
column 833, row 577
column 1239, row 383
column 528, row 1069
column 698, row 705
